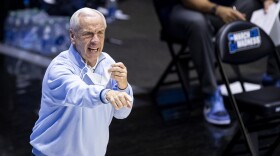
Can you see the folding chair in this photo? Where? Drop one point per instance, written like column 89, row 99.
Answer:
column 181, row 63
column 241, row 43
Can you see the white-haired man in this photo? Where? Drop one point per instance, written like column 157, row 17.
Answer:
column 83, row 89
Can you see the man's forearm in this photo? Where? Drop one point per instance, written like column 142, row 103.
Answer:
column 199, row 5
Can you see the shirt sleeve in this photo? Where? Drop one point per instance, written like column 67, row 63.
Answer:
column 62, row 87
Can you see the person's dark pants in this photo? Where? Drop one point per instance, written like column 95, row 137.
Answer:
column 199, row 29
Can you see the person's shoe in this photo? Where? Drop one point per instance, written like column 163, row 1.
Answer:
column 214, row 110
column 268, row 80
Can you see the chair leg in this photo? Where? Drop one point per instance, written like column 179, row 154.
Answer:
column 181, row 71
column 273, row 146
column 184, row 78
column 236, row 110
column 168, row 70
column 255, row 141
column 226, row 150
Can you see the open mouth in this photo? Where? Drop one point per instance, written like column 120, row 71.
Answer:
column 93, row 49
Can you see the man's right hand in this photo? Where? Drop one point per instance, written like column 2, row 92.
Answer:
column 119, row 99
column 228, row 14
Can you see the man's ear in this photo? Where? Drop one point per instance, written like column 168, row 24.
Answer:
column 72, row 36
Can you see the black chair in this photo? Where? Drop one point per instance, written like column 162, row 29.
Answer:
column 181, row 64
column 258, row 111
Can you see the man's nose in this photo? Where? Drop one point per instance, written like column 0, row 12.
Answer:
column 95, row 38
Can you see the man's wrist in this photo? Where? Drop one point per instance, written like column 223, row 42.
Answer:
column 213, row 10
column 103, row 94
column 122, row 88
column 122, row 85
column 127, row 89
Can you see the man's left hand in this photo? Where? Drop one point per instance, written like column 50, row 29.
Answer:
column 267, row 4
column 119, row 73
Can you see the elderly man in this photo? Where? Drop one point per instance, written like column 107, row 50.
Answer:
column 83, row 89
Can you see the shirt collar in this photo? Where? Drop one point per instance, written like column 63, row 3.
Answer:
column 77, row 58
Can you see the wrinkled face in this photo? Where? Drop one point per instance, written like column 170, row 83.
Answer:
column 88, row 39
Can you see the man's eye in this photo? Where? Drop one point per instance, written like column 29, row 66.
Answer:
column 87, row 35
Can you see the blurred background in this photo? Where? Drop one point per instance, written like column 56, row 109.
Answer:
column 31, row 37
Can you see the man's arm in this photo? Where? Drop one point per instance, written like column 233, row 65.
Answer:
column 227, row 14
column 122, row 98
column 204, row 6
column 62, row 87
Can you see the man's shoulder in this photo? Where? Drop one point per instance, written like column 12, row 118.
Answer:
column 62, row 54
column 61, row 58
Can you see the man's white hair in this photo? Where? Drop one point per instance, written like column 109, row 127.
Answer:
column 74, row 20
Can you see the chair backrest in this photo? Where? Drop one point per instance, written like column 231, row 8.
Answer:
column 242, row 42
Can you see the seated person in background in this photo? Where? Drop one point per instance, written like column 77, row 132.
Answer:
column 82, row 90
column 197, row 22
